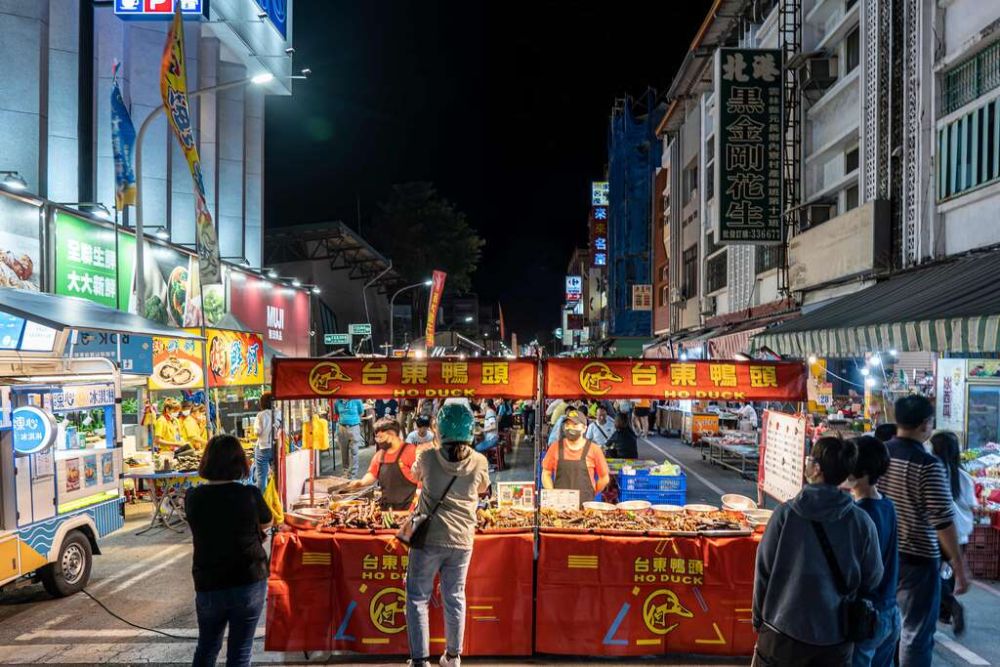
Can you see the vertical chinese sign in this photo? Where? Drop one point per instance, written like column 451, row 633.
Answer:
column 599, row 223
column 748, row 135
column 437, row 290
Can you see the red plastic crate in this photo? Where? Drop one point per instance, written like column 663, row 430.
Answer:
column 982, row 554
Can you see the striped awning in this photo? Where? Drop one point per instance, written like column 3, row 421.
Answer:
column 947, row 307
column 727, row 346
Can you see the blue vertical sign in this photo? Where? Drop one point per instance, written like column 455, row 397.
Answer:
column 277, row 14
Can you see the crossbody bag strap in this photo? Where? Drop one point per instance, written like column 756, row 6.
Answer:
column 438, row 503
column 831, row 560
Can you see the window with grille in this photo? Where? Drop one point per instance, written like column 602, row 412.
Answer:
column 715, row 272
column 768, row 257
column 971, row 79
column 689, row 271
column 969, row 152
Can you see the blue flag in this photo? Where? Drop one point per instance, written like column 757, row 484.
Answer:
column 122, row 145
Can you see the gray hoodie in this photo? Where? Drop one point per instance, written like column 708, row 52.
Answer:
column 794, row 591
column 454, row 523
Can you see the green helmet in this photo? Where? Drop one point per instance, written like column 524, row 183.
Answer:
column 455, row 423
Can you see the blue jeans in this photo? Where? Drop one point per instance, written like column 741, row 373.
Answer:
column 425, row 563
column 239, row 608
column 919, row 596
column 349, row 443
column 488, row 443
column 262, row 465
column 880, row 650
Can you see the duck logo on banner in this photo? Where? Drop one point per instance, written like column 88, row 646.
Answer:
column 658, row 607
column 326, row 378
column 596, row 378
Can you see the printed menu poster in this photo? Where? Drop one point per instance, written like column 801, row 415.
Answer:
column 72, row 475
column 782, row 454
column 107, row 468
column 516, row 495
column 561, row 499
column 90, row 470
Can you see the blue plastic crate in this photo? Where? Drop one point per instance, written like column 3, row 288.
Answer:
column 643, row 481
column 655, row 497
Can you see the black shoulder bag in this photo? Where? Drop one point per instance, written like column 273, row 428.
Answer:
column 413, row 532
column 862, row 617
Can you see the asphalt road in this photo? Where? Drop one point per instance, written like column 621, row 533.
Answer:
column 146, row 580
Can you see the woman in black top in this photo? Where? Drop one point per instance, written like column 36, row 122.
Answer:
column 227, row 520
column 622, row 444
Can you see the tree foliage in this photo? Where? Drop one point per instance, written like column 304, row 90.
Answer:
column 421, row 231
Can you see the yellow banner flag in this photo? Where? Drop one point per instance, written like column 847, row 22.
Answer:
column 173, row 89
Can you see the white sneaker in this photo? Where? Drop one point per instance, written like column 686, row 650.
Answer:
column 445, row 661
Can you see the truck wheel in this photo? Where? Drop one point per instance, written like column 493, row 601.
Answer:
column 71, row 571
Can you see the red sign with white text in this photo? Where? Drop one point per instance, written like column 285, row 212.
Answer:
column 280, row 313
column 675, row 380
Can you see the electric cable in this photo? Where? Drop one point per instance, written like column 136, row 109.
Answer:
column 127, row 622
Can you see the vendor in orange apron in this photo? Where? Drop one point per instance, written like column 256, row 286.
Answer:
column 392, row 467
column 573, row 462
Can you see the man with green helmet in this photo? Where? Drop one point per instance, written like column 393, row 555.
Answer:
column 453, row 477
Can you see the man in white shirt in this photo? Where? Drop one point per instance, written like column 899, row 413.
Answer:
column 491, row 434
column 602, row 428
column 423, row 434
column 748, row 417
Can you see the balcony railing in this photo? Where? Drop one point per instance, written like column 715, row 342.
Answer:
column 973, row 78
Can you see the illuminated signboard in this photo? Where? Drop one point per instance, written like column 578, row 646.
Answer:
column 599, row 191
column 574, row 289
column 163, row 10
column 599, row 235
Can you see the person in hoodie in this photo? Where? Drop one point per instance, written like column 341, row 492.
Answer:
column 455, row 475
column 798, row 611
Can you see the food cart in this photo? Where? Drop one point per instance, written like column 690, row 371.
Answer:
column 617, row 583
column 61, row 434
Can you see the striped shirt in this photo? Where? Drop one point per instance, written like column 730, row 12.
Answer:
column 917, row 484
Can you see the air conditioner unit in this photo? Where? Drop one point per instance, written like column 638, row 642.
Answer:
column 708, row 306
column 816, row 213
column 818, row 73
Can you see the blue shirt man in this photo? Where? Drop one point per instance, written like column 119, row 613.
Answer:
column 349, row 438
column 349, row 412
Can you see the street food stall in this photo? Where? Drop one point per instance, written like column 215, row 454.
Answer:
column 339, row 585
column 626, row 580
column 61, row 429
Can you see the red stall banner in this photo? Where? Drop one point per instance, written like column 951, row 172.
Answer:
column 433, row 302
column 402, row 378
column 346, row 592
column 636, row 596
column 575, row 378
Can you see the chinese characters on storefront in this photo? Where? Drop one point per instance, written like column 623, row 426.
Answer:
column 378, row 378
column 698, row 380
column 599, row 235
column 748, row 132
column 86, row 260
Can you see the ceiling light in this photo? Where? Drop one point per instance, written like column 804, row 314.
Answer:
column 272, row 274
column 162, row 233
column 316, row 289
column 812, row 359
column 865, row 371
column 13, row 180
column 262, row 78
column 296, row 282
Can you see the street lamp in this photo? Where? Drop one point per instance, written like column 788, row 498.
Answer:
column 12, row 179
column 392, row 320
column 96, row 208
column 258, row 79
column 468, row 318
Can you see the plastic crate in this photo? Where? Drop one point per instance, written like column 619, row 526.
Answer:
column 643, row 481
column 654, row 497
column 982, row 554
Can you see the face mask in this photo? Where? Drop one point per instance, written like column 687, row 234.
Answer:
column 186, row 413
column 573, row 435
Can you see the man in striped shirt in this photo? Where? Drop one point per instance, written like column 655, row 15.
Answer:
column 917, row 484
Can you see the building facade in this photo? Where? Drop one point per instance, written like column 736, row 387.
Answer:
column 55, row 121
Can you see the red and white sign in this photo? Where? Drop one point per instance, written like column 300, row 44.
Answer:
column 782, row 455
column 280, row 313
column 159, row 6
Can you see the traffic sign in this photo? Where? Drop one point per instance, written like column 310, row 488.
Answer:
column 362, row 329
column 336, row 339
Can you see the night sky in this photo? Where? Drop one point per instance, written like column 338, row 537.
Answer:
column 504, row 106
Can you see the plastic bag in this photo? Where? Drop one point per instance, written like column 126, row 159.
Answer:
column 273, row 501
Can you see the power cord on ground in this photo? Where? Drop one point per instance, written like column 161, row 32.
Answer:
column 127, row 622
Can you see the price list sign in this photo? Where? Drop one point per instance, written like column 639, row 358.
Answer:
column 748, row 132
column 782, row 454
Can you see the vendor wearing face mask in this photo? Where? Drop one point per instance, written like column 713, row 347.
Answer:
column 167, row 428
column 574, row 462
column 392, row 466
column 194, row 425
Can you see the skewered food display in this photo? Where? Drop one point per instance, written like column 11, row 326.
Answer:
column 499, row 519
column 678, row 522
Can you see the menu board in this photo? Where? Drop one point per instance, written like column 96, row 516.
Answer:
column 782, row 454
column 234, row 358
column 516, row 495
column 560, row 499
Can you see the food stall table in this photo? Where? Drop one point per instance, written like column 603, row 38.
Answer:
column 165, row 488
column 741, row 457
column 614, row 595
column 345, row 591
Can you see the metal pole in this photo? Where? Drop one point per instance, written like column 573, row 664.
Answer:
column 364, row 297
column 392, row 320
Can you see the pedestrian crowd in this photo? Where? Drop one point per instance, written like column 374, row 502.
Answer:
column 863, row 578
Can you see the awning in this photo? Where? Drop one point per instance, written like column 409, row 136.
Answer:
column 727, row 346
column 948, row 307
column 65, row 312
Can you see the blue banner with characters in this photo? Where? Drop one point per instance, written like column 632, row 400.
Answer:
column 136, row 355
